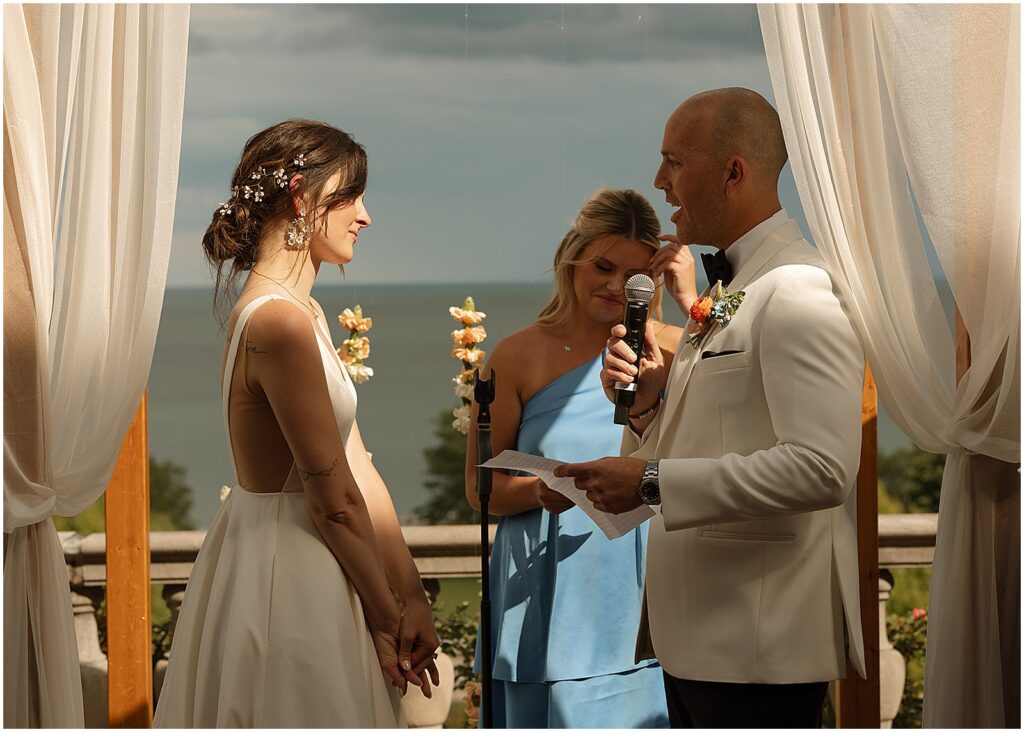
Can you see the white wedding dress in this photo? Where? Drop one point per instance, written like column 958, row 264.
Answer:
column 271, row 632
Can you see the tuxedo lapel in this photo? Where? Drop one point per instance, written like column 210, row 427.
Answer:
column 680, row 375
column 688, row 355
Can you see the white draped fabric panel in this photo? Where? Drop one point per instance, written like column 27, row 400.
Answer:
column 877, row 101
column 93, row 102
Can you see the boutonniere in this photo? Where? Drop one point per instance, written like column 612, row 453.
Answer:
column 715, row 309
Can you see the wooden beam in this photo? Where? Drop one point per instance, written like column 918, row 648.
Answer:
column 858, row 700
column 129, row 628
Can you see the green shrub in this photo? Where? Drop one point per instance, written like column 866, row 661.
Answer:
column 457, row 629
column 907, row 633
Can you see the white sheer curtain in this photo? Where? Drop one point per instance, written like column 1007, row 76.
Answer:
column 93, row 101
column 876, row 100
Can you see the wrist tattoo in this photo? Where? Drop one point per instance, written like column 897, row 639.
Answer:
column 325, row 473
column 250, row 347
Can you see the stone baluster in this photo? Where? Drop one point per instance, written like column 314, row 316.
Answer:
column 85, row 601
column 173, row 596
column 892, row 667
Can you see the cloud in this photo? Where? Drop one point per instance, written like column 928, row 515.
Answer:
column 476, row 169
column 571, row 33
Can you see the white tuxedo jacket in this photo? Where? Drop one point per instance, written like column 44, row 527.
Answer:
column 752, row 560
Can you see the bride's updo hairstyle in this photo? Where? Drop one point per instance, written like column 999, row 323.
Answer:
column 260, row 191
column 606, row 213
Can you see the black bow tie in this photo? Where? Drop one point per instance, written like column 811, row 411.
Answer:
column 717, row 267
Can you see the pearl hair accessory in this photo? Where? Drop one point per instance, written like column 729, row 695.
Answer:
column 255, row 190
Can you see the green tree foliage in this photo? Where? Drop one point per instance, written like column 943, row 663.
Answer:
column 446, row 463
column 913, row 477
column 170, row 497
column 170, row 509
column 170, row 504
column 92, row 520
column 907, row 633
column 909, row 482
column 886, row 502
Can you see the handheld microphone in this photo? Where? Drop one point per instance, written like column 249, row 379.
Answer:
column 639, row 293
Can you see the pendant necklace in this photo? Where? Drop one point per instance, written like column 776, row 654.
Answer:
column 308, row 306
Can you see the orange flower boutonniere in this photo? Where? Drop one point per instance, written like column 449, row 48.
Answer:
column 715, row 309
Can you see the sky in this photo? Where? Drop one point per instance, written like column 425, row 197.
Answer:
column 486, row 126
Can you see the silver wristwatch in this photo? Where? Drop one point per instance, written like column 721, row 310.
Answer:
column 649, row 489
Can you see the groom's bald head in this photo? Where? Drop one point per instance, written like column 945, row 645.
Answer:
column 722, row 153
column 737, row 121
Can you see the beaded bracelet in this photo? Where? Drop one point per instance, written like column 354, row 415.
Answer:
column 647, row 412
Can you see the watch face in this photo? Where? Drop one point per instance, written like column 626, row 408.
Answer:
column 649, row 492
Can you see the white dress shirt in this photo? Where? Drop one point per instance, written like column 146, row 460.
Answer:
column 740, row 251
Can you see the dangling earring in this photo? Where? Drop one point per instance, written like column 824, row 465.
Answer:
column 298, row 235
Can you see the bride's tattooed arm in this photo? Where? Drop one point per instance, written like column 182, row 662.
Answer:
column 293, row 379
column 250, row 347
column 325, row 473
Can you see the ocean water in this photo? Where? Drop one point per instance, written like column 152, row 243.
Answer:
column 410, row 354
column 411, row 357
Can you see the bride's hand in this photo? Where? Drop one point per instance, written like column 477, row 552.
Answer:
column 385, row 643
column 417, row 642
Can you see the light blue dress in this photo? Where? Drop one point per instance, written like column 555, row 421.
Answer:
column 565, row 599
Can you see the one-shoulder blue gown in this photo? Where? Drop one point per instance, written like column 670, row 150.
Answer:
column 565, row 599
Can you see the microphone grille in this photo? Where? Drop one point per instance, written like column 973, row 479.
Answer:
column 640, row 288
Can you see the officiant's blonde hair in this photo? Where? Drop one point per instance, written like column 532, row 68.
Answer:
column 606, row 213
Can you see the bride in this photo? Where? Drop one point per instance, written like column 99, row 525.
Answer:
column 304, row 602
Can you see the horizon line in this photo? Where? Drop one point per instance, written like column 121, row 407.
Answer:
column 453, row 283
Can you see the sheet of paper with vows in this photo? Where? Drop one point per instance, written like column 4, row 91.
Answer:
column 611, row 524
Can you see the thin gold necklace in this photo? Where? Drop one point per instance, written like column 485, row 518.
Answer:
column 307, row 305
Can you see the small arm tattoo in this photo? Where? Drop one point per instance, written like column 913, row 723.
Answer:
column 325, row 473
column 250, row 347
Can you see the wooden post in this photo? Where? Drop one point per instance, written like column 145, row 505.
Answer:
column 858, row 700
column 129, row 629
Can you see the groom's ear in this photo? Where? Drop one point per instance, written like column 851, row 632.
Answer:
column 737, row 170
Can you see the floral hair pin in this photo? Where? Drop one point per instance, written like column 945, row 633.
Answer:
column 711, row 310
column 255, row 190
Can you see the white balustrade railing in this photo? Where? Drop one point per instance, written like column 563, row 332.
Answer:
column 904, row 540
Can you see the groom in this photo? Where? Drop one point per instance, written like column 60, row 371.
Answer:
column 751, row 457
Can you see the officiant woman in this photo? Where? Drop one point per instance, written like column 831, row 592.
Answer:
column 565, row 599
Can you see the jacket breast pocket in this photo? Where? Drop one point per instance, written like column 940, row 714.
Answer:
column 725, row 362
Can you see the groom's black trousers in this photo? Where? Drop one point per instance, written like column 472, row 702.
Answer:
column 701, row 704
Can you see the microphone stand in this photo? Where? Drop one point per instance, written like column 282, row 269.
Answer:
column 483, row 392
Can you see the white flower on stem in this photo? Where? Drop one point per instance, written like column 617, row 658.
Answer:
column 463, row 390
column 462, row 415
column 465, row 349
column 359, row 372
